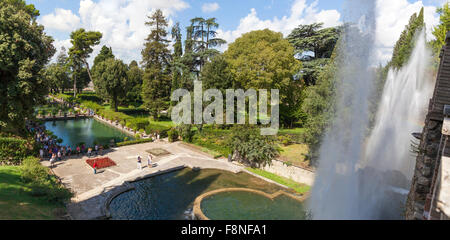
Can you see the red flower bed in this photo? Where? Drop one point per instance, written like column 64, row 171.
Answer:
column 103, row 162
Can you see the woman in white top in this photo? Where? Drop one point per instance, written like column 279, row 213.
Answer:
column 149, row 160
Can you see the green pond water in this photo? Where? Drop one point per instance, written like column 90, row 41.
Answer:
column 89, row 130
column 241, row 205
column 168, row 196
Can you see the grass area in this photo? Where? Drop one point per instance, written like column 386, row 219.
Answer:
column 293, row 131
column 298, row 187
column 16, row 202
column 295, row 154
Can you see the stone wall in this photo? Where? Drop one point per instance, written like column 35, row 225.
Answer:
column 294, row 173
column 420, row 197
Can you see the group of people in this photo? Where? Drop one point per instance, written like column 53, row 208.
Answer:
column 149, row 161
column 55, row 152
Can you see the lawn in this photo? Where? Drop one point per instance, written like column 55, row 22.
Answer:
column 298, row 187
column 15, row 201
column 293, row 131
column 295, row 154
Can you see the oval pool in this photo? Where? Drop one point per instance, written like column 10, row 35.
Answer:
column 245, row 205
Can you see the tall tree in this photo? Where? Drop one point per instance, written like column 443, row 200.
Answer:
column 312, row 38
column 441, row 30
column 111, row 81
column 265, row 60
column 24, row 51
column 205, row 38
column 82, row 44
column 135, row 75
column 156, row 59
column 105, row 53
column 405, row 45
column 177, row 65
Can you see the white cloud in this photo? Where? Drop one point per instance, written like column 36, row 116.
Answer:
column 301, row 13
column 210, row 7
column 122, row 23
column 62, row 20
column 392, row 17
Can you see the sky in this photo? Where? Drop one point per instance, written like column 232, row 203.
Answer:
column 122, row 22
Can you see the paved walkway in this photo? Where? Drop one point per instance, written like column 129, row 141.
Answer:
column 91, row 191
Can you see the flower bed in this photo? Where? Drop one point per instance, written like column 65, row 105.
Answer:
column 103, row 162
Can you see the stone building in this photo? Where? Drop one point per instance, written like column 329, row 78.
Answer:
column 429, row 196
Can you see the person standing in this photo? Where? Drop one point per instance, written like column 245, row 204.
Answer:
column 139, row 162
column 89, row 152
column 95, row 167
column 96, row 149
column 52, row 160
column 59, row 155
column 78, row 150
column 41, row 153
column 149, row 160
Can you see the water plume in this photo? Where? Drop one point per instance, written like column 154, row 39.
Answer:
column 361, row 176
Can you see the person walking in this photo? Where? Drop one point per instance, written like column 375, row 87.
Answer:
column 59, row 155
column 52, row 160
column 96, row 149
column 139, row 162
column 89, row 152
column 41, row 153
column 149, row 160
column 78, row 150
column 95, row 167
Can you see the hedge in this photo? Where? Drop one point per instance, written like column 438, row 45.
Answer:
column 13, row 150
column 139, row 141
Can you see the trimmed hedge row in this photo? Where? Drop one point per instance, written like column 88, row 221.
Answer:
column 13, row 150
column 143, row 140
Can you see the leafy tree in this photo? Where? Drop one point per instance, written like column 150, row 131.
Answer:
column 82, row 77
column 135, row 83
column 321, row 42
column 252, row 148
column 265, row 60
column 156, row 58
column 111, row 81
column 318, row 106
column 24, row 51
column 82, row 44
column 57, row 77
column 217, row 75
column 441, row 30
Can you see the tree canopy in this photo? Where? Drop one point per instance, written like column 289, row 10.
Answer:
column 111, row 81
column 82, row 47
column 156, row 58
column 24, row 51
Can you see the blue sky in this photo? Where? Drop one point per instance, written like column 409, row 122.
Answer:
column 122, row 21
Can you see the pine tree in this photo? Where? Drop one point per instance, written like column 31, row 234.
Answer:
column 177, row 66
column 156, row 59
column 405, row 45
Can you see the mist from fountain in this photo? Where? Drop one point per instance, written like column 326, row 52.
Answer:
column 357, row 170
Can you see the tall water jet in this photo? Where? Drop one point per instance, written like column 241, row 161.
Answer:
column 357, row 173
column 402, row 111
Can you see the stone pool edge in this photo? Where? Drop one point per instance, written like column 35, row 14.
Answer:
column 199, row 215
column 126, row 186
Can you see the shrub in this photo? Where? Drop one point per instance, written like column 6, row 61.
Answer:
column 13, row 150
column 186, row 132
column 138, row 141
column 33, row 171
column 250, row 147
column 137, row 136
column 173, row 135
